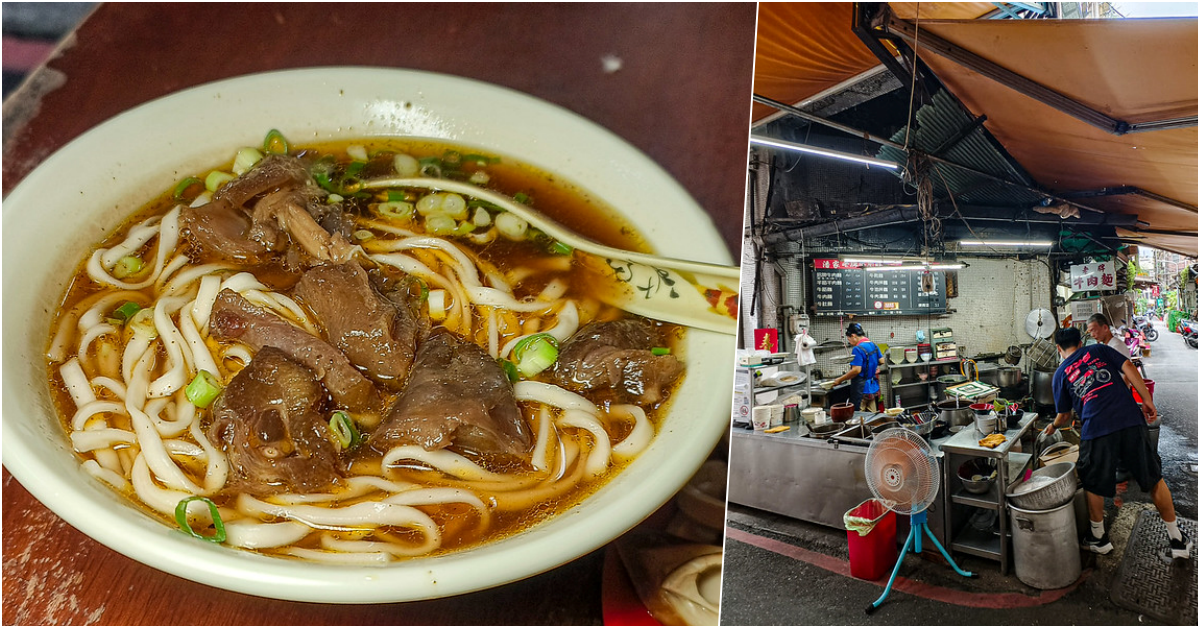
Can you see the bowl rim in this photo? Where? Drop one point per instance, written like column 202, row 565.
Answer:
column 147, row 540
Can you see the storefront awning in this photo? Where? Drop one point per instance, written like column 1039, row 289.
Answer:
column 1136, row 71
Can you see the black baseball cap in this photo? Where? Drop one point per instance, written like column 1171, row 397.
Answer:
column 854, row 329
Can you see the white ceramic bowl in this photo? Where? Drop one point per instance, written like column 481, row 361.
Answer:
column 83, row 192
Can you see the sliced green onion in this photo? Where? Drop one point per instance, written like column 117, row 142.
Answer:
column 322, row 173
column 440, row 224
column 275, row 142
column 216, row 179
column 512, row 226
column 521, row 198
column 560, row 248
column 245, row 160
column 473, row 203
column 510, row 370
column 406, row 165
column 183, row 187
column 482, row 218
column 128, row 266
column 353, row 170
column 464, row 228
column 480, row 160
column 126, row 312
column 182, row 519
column 357, row 152
column 452, row 157
column 203, row 389
column 344, row 431
column 334, row 198
column 535, row 354
column 142, row 324
column 394, row 196
column 362, row 235
column 479, row 177
column 660, row 351
column 423, row 287
column 437, row 304
column 398, row 210
column 430, row 166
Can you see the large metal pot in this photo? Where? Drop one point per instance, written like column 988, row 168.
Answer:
column 955, row 413
column 1008, row 376
column 1057, row 487
column 1045, row 550
column 1043, row 387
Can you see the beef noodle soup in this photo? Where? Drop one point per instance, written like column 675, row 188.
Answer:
column 273, row 357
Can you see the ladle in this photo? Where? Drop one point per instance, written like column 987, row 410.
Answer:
column 656, row 287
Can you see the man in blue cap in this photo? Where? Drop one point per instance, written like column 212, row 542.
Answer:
column 864, row 364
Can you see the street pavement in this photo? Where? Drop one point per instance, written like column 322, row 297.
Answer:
column 781, row 571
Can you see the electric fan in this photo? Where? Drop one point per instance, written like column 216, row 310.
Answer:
column 902, row 473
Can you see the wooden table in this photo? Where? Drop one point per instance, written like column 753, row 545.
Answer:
column 680, row 94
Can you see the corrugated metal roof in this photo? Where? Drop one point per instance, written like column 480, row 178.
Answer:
column 940, row 121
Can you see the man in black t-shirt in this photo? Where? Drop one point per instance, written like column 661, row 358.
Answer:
column 1089, row 382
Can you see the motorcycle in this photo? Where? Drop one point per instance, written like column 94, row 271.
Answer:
column 1143, row 324
column 1187, row 329
column 1135, row 340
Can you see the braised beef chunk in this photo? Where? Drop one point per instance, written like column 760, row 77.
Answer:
column 615, row 360
column 235, row 318
column 271, row 424
column 274, row 172
column 260, row 215
column 378, row 336
column 456, row 396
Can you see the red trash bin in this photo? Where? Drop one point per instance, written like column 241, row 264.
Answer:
column 871, row 533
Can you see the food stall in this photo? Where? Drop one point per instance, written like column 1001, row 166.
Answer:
column 922, row 182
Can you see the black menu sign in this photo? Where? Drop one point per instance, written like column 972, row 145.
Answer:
column 848, row 288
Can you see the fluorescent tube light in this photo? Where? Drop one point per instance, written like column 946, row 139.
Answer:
column 944, row 266
column 1005, row 243
column 824, row 152
column 866, row 260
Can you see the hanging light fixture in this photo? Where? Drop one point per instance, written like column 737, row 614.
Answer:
column 822, row 152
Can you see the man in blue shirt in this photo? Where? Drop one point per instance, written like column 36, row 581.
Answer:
column 1088, row 382
column 864, row 364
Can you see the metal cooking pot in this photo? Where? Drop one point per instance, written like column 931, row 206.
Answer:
column 1043, row 387
column 954, row 413
column 1008, row 376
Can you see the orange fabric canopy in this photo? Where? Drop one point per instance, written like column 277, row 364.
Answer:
column 1134, row 70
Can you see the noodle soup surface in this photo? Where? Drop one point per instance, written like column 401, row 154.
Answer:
column 278, row 358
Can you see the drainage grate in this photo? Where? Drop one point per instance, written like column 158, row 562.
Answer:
column 1149, row 582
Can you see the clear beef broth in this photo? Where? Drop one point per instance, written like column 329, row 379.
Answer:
column 456, row 522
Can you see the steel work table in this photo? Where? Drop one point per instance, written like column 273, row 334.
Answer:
column 956, row 450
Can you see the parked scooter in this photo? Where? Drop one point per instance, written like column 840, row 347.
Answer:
column 1135, row 340
column 1187, row 329
column 1143, row 324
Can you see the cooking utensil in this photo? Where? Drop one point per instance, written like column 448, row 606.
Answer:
column 1008, row 376
column 951, row 380
column 977, row 467
column 824, row 431
column 668, row 297
column 1047, row 488
column 1040, row 323
column 841, row 412
column 955, row 413
column 1012, row 355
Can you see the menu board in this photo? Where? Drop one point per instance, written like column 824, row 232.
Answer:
column 846, row 288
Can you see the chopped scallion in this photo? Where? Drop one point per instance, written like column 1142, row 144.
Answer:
column 480, row 160
column 183, row 187
column 362, row 235
column 245, row 160
column 396, row 196
column 535, row 354
column 521, row 198
column 660, row 351
column 464, row 228
column 126, row 312
column 128, row 266
column 344, row 431
column 560, row 248
column 275, row 142
column 182, row 519
column 203, row 390
column 479, row 177
column 334, row 198
column 216, row 179
column 440, row 224
column 397, row 210
column 510, row 370
column 357, row 152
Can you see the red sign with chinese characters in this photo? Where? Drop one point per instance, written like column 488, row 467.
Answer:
column 766, row 340
column 1094, row 276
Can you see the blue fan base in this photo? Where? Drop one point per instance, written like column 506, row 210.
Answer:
column 918, row 522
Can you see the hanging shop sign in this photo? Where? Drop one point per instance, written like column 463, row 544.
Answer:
column 845, row 288
column 1094, row 276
